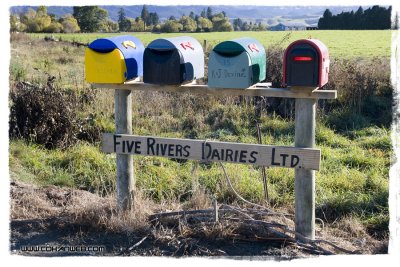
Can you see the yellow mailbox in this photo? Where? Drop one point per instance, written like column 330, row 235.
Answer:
column 114, row 60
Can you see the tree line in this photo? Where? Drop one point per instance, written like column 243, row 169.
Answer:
column 374, row 18
column 96, row 19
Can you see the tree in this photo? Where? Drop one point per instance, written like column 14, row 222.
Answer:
column 260, row 27
column 53, row 17
column 359, row 18
column 245, row 26
column 70, row 24
column 145, row 16
column 188, row 24
column 41, row 11
column 154, row 18
column 171, row 26
column 156, row 28
column 192, row 16
column 209, row 13
column 172, row 18
column 136, row 24
column 90, row 18
column 123, row 23
column 221, row 24
column 54, row 27
column 108, row 26
column 204, row 24
column 203, row 13
column 16, row 25
column 36, row 21
column 377, row 18
column 326, row 20
column 237, row 24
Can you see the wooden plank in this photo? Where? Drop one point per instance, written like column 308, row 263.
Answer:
column 260, row 89
column 123, row 124
column 305, row 179
column 213, row 151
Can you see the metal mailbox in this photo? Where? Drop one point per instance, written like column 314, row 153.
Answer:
column 114, row 60
column 306, row 63
column 237, row 63
column 173, row 60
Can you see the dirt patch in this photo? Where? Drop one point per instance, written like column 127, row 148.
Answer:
column 53, row 221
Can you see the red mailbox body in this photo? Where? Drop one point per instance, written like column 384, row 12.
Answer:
column 306, row 63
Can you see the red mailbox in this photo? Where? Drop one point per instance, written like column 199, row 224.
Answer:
column 306, row 63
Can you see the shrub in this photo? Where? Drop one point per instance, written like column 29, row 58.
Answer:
column 48, row 116
column 41, row 115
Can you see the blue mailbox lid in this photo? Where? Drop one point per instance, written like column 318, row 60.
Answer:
column 131, row 48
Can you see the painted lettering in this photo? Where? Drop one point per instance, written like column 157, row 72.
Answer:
column 294, row 161
column 186, row 149
column 243, row 155
column 273, row 158
column 253, row 155
column 284, row 156
column 150, row 146
column 116, row 142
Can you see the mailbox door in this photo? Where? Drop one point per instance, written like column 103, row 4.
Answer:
column 253, row 63
column 227, row 71
column 173, row 61
column 104, row 67
column 302, row 66
column 104, row 51
column 162, row 66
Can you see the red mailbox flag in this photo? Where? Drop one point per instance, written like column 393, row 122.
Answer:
column 253, row 47
column 187, row 45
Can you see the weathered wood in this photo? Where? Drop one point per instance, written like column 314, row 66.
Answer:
column 213, row 151
column 215, row 207
column 259, row 89
column 305, row 179
column 123, row 125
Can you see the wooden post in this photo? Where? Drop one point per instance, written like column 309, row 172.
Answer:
column 123, row 125
column 305, row 110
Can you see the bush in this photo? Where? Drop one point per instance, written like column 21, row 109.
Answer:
column 48, row 116
column 41, row 115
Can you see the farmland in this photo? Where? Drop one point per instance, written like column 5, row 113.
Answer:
column 342, row 43
column 353, row 133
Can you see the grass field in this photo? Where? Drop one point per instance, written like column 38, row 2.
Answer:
column 341, row 44
column 352, row 184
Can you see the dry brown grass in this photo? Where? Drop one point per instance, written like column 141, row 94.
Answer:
column 184, row 232
column 77, row 207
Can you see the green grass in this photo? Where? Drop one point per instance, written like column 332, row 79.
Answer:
column 341, row 43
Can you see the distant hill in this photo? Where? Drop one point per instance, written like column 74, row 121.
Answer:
column 270, row 15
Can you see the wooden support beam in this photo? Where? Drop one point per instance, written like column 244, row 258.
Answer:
column 305, row 179
column 260, row 89
column 123, row 125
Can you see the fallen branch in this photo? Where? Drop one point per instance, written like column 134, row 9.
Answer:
column 138, row 243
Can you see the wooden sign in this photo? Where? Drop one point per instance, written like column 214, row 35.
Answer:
column 213, row 151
